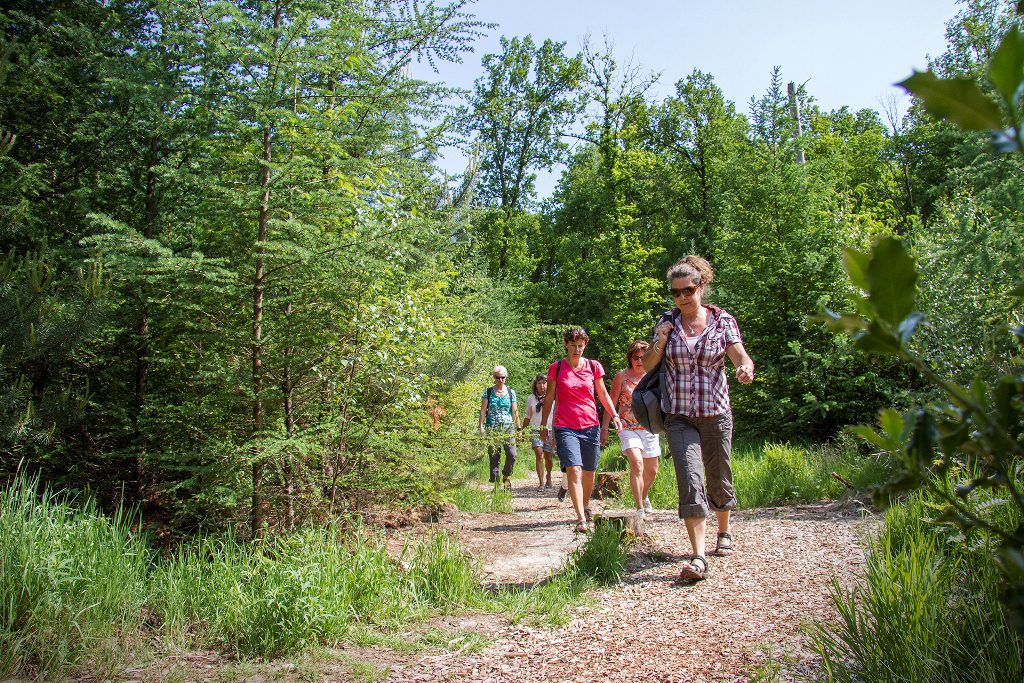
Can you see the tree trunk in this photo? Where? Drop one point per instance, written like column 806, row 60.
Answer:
column 142, row 331
column 256, row 517
column 289, row 424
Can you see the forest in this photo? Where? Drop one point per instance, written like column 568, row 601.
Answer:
column 240, row 300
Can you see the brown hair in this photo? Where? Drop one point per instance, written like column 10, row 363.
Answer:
column 694, row 268
column 638, row 345
column 574, row 333
column 538, row 378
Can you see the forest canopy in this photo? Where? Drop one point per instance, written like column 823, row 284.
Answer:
column 237, row 289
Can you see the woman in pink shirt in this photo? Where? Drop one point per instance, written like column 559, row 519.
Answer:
column 577, row 380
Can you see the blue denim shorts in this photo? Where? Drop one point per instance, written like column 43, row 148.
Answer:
column 578, row 447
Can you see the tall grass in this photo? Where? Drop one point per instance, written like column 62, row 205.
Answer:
column 274, row 598
column 72, row 583
column 926, row 610
column 75, row 586
column 472, row 498
column 773, row 474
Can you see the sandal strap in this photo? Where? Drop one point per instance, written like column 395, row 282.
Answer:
column 725, row 534
column 703, row 561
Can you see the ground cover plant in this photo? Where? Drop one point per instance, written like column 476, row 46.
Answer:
column 77, row 586
column 767, row 474
column 72, row 582
column 927, row 608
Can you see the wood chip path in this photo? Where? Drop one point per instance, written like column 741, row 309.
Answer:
column 749, row 613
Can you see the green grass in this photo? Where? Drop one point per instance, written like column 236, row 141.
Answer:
column 72, row 582
column 771, row 474
column 472, row 498
column 469, row 493
column 78, row 588
column 926, row 610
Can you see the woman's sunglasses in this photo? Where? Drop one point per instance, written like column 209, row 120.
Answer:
column 683, row 291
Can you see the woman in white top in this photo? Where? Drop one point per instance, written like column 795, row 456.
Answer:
column 544, row 450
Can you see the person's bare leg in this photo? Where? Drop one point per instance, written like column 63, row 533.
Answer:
column 723, row 521
column 573, row 483
column 636, row 475
column 549, row 461
column 587, row 485
column 697, row 528
column 539, row 453
column 650, row 474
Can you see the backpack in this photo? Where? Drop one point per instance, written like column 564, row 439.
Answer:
column 649, row 391
column 490, row 392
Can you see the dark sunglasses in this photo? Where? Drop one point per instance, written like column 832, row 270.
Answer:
column 683, row 291
column 500, row 376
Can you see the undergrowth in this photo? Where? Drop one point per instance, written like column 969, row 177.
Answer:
column 927, row 608
column 771, row 474
column 76, row 587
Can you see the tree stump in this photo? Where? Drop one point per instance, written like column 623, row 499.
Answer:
column 607, row 485
column 626, row 521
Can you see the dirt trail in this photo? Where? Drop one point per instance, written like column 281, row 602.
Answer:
column 747, row 615
column 651, row 628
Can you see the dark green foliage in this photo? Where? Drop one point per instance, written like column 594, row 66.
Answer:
column 49, row 319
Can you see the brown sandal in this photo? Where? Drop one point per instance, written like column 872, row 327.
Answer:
column 691, row 571
column 724, row 547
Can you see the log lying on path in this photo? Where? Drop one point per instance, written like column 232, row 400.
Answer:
column 626, row 521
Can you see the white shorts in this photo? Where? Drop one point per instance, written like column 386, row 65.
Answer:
column 644, row 441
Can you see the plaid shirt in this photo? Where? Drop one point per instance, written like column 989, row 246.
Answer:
column 697, row 385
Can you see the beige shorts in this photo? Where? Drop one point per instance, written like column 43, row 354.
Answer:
column 647, row 443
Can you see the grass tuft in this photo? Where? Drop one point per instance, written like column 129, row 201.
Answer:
column 927, row 609
column 71, row 581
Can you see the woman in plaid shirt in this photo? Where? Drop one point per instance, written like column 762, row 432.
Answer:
column 694, row 338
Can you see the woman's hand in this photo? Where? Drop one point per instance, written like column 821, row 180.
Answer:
column 662, row 331
column 618, row 422
column 745, row 374
column 604, row 436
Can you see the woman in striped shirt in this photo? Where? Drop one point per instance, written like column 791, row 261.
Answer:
column 694, row 338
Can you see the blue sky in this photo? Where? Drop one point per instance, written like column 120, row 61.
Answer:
column 847, row 53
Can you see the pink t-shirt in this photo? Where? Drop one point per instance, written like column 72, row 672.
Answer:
column 575, row 404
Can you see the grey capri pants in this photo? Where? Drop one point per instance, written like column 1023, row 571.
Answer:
column 700, row 448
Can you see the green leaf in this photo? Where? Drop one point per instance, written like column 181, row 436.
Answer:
column 877, row 340
column 841, row 323
column 1007, row 68
column 857, row 266
column 891, row 278
column 959, row 100
column 923, row 438
column 871, row 436
column 893, row 424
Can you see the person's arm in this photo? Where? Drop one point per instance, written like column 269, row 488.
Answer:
column 515, row 416
column 483, row 412
column 549, row 400
column 744, row 365
column 616, row 390
column 655, row 352
column 531, row 408
column 606, row 401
